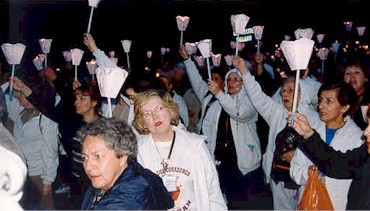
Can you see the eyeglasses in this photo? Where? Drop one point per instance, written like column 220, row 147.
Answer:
column 235, row 80
column 157, row 110
column 131, row 97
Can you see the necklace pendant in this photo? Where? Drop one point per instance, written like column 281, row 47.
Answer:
column 165, row 163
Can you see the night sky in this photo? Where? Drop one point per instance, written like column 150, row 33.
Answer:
column 152, row 25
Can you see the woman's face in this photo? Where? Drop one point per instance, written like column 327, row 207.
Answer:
column 287, row 94
column 367, row 131
column 356, row 77
column 156, row 116
column 100, row 163
column 83, row 104
column 130, row 93
column 218, row 79
column 234, row 83
column 330, row 110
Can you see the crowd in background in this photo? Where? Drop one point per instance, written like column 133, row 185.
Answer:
column 213, row 141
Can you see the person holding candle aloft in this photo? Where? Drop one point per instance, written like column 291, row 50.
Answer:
column 338, row 130
column 280, row 147
column 342, row 165
column 87, row 105
column 228, row 119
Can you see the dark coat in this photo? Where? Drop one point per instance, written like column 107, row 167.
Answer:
column 136, row 189
column 353, row 164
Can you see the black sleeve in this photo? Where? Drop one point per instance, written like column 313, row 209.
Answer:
column 44, row 101
column 333, row 163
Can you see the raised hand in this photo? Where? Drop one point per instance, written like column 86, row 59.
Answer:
column 300, row 125
column 183, row 53
column 90, row 42
column 239, row 63
column 19, row 85
column 213, row 87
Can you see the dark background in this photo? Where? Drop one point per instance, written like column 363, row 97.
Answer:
column 151, row 24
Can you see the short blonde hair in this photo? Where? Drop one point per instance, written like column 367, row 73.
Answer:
column 143, row 97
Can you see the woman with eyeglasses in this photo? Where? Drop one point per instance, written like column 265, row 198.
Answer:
column 179, row 157
column 280, row 147
column 229, row 121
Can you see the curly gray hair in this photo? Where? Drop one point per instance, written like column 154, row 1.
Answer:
column 117, row 134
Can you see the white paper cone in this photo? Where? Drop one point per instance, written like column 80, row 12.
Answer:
column 13, row 52
column 91, row 67
column 205, row 47
column 191, row 48
column 306, row 33
column 110, row 80
column 45, row 45
column 126, row 44
column 182, row 22
column 149, row 54
column 67, row 56
column 216, row 59
column 258, row 32
column 229, row 60
column 297, row 53
column 320, row 37
column 38, row 63
column 94, row 3
column 76, row 55
column 361, row 30
column 239, row 22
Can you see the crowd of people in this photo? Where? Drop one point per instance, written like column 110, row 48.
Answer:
column 180, row 139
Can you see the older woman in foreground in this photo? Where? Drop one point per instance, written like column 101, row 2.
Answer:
column 179, row 157
column 118, row 182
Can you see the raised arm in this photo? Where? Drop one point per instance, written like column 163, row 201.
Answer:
column 332, row 163
column 44, row 101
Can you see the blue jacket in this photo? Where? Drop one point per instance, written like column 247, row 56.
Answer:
column 136, row 189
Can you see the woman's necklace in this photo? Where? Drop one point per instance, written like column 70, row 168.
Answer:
column 166, row 161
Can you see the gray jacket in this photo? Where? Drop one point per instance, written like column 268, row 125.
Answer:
column 243, row 118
